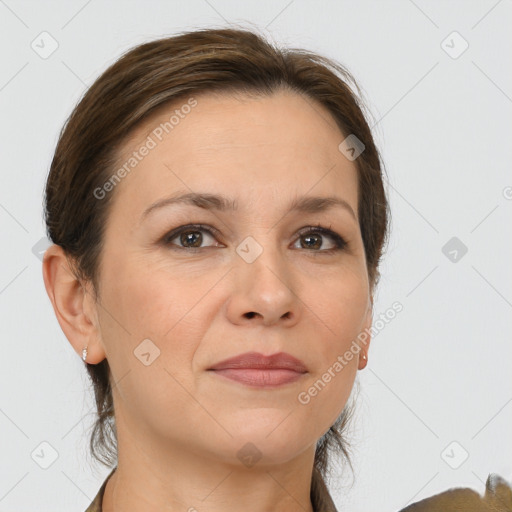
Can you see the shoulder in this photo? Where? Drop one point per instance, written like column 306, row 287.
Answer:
column 95, row 506
column 497, row 498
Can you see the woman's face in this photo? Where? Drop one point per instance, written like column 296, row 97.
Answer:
column 260, row 281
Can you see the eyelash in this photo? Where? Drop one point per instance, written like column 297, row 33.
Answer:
column 340, row 242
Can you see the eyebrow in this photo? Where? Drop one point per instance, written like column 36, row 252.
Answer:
column 304, row 204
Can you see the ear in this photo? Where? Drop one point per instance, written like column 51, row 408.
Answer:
column 73, row 304
column 364, row 343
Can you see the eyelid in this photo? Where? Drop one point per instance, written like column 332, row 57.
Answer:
column 340, row 241
column 189, row 227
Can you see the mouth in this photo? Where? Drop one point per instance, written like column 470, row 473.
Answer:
column 257, row 370
column 259, row 377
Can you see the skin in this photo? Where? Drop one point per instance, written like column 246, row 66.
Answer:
column 180, row 426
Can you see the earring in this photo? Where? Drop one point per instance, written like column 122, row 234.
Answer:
column 84, row 354
column 364, row 357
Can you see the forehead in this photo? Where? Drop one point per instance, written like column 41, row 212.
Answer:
column 240, row 120
column 240, row 145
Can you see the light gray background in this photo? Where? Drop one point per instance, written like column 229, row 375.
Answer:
column 438, row 373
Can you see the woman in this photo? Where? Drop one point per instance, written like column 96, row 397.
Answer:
column 218, row 216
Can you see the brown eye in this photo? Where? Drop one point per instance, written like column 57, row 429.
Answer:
column 194, row 238
column 312, row 239
column 188, row 237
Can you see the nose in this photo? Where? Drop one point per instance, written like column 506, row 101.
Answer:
column 263, row 292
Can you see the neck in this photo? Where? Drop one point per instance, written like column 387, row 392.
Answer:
column 150, row 478
column 220, row 488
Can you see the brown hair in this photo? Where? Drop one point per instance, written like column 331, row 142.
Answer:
column 142, row 81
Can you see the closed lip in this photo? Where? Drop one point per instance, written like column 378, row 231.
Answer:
column 255, row 360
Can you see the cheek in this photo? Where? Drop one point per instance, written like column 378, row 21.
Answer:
column 147, row 316
column 153, row 302
column 339, row 304
column 324, row 396
column 152, row 336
